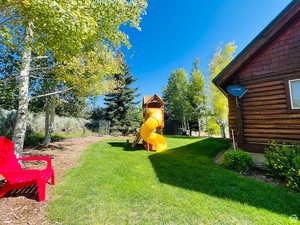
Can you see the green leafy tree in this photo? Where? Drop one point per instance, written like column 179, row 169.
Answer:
column 8, row 84
column 197, row 95
column 71, row 105
column 135, row 117
column 221, row 59
column 212, row 127
column 63, row 104
column 66, row 104
column 79, row 34
column 120, row 102
column 175, row 94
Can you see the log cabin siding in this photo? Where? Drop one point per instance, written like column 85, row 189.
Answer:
column 281, row 54
column 266, row 117
column 266, row 111
column 265, row 67
column 270, row 120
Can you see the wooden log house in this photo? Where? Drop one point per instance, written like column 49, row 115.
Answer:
column 269, row 67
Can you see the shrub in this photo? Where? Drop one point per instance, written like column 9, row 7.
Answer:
column 238, row 160
column 116, row 133
column 7, row 122
column 283, row 162
column 33, row 139
column 36, row 122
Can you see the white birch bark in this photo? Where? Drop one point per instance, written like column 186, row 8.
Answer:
column 222, row 126
column 22, row 114
column 188, row 128
column 199, row 127
column 183, row 124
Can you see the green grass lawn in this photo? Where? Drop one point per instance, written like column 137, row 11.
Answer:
column 115, row 185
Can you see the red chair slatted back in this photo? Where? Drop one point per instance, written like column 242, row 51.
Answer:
column 8, row 158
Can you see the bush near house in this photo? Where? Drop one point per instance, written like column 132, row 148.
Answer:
column 238, row 160
column 283, row 161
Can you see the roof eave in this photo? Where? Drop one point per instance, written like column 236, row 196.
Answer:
column 259, row 41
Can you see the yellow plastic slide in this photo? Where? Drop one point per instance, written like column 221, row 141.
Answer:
column 155, row 119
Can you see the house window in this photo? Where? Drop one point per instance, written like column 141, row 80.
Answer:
column 295, row 93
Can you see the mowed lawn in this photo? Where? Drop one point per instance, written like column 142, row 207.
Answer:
column 116, row 185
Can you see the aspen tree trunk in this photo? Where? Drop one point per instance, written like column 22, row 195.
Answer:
column 199, row 127
column 49, row 119
column 206, row 124
column 188, row 128
column 184, row 124
column 22, row 114
column 222, row 126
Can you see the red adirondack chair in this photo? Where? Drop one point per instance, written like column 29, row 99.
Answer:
column 16, row 177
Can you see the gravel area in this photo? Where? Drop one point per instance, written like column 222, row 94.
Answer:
column 21, row 208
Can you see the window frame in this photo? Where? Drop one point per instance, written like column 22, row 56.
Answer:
column 291, row 102
column 287, row 79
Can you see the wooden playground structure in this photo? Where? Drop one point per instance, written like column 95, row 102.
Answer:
column 151, row 103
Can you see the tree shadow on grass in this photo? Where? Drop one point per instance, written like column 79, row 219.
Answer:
column 182, row 137
column 125, row 146
column 191, row 167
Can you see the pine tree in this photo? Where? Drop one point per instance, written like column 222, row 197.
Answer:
column 175, row 94
column 120, row 102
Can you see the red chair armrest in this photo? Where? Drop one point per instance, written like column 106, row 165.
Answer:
column 6, row 172
column 39, row 158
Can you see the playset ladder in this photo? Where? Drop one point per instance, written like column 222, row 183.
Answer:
column 136, row 139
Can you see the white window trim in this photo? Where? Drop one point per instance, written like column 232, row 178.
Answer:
column 291, row 94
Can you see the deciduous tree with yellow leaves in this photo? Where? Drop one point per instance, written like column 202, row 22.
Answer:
column 221, row 59
column 81, row 35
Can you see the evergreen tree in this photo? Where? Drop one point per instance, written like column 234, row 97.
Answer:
column 120, row 102
column 175, row 94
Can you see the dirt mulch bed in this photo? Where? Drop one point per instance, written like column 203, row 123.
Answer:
column 16, row 209
column 262, row 175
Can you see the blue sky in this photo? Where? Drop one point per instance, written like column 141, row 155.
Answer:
column 175, row 32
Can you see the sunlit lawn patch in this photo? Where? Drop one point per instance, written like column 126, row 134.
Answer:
column 113, row 185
